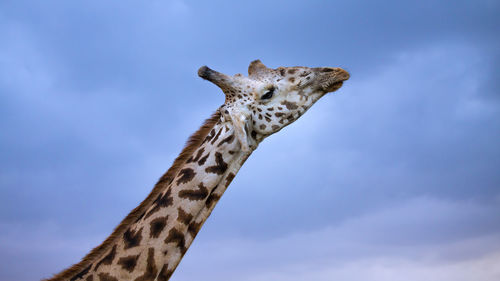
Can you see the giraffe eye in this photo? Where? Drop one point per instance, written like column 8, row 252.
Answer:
column 269, row 94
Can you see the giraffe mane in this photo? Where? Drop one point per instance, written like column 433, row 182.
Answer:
column 193, row 142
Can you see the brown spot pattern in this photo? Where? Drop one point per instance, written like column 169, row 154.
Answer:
column 108, row 259
column 209, row 136
column 289, row 105
column 183, row 216
column 216, row 136
column 90, row 278
column 164, row 274
column 227, row 140
column 229, row 178
column 151, row 269
column 197, row 156
column 212, row 198
column 187, row 174
column 106, row 277
column 128, row 263
column 220, row 166
column 253, row 134
column 156, row 226
column 177, row 237
column 193, row 228
column 161, row 202
column 197, row 194
column 132, row 238
column 203, row 159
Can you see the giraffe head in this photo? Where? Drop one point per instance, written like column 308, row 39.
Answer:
column 270, row 99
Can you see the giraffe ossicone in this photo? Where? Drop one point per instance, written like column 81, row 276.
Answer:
column 150, row 242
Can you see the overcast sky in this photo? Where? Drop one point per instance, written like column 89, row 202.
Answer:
column 394, row 177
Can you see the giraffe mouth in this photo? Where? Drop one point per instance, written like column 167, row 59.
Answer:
column 335, row 86
column 334, row 79
column 331, row 86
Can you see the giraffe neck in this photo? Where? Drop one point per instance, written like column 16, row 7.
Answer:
column 151, row 247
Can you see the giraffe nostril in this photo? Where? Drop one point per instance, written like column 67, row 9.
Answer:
column 344, row 75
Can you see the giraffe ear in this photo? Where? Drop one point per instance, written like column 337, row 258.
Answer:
column 256, row 67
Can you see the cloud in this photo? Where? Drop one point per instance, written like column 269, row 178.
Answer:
column 420, row 237
column 42, row 247
column 484, row 268
column 385, row 245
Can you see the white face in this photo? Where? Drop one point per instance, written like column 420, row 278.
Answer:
column 270, row 99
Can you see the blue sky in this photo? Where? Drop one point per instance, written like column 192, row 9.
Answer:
column 396, row 174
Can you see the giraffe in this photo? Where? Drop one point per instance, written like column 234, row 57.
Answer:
column 151, row 241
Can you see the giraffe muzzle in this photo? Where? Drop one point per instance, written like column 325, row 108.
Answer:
column 332, row 78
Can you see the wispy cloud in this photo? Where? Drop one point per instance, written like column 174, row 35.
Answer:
column 417, row 238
